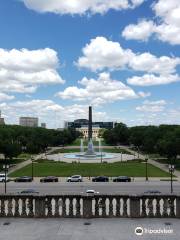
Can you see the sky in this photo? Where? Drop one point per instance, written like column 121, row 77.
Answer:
column 120, row 56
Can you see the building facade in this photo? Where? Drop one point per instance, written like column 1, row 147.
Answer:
column 2, row 122
column 28, row 121
column 81, row 125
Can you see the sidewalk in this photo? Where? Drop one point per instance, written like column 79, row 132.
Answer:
column 88, row 229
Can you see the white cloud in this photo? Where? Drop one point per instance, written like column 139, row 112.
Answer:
column 141, row 31
column 152, row 106
column 80, row 6
column 166, row 28
column 101, row 54
column 47, row 111
column 99, row 91
column 24, row 70
column 150, row 79
column 5, row 97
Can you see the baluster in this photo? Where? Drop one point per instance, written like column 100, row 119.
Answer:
column 78, row 207
column 125, row 214
column 23, row 214
column 49, row 207
column 165, row 208
column 56, row 207
column 150, row 207
column 10, row 207
column 16, row 208
column 143, row 214
column 103, row 206
column 64, row 214
column 118, row 206
column 171, row 205
column 111, row 207
column 71, row 207
column 158, row 213
column 30, row 207
column 3, row 214
column 96, row 207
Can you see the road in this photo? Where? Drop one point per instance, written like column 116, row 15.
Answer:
column 104, row 188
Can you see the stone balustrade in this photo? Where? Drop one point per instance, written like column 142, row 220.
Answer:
column 90, row 206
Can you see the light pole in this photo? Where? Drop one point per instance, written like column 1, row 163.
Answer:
column 146, row 169
column 171, row 170
column 32, row 168
column 5, row 167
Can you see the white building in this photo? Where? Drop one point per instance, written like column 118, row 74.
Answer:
column 2, row 122
column 28, row 121
column 84, row 131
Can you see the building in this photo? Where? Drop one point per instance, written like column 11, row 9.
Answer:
column 28, row 121
column 81, row 125
column 2, row 122
column 43, row 125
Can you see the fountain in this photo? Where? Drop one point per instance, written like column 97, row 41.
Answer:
column 90, row 153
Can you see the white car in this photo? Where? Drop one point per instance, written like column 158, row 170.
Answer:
column 91, row 191
column 2, row 177
column 75, row 178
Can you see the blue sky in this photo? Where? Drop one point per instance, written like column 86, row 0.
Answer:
column 122, row 57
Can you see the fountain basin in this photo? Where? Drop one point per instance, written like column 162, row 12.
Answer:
column 85, row 156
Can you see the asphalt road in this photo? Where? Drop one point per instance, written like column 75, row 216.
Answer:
column 104, row 188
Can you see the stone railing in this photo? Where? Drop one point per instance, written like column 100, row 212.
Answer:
column 90, row 206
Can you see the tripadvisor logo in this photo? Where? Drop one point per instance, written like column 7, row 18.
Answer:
column 139, row 231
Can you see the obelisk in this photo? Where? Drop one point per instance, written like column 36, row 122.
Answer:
column 90, row 124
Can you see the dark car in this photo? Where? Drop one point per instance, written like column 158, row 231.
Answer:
column 152, row 192
column 122, row 179
column 28, row 191
column 49, row 179
column 100, row 179
column 23, row 179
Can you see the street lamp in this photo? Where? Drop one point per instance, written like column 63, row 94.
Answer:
column 5, row 167
column 32, row 168
column 171, row 170
column 146, row 169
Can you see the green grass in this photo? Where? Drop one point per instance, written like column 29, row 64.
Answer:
column 77, row 142
column 90, row 169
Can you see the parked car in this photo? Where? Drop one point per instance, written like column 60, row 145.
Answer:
column 91, row 191
column 23, row 179
column 28, row 191
column 2, row 177
column 122, row 179
column 49, row 179
column 75, row 178
column 152, row 192
column 100, row 179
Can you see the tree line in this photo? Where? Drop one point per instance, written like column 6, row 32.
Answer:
column 16, row 139
column 163, row 139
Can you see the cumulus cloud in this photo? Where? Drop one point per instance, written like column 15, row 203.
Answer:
column 47, row 111
column 166, row 28
column 150, row 79
column 141, row 31
column 152, row 106
column 24, row 70
column 102, row 54
column 99, row 91
column 80, row 6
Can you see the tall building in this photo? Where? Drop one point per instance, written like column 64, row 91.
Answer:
column 2, row 122
column 28, row 121
column 81, row 125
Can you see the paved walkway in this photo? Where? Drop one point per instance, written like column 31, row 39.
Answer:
column 88, row 229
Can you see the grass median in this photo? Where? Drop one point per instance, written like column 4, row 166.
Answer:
column 62, row 169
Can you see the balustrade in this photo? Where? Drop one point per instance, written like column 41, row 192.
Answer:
column 88, row 206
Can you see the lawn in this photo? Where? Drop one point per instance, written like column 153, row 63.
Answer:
column 90, row 169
